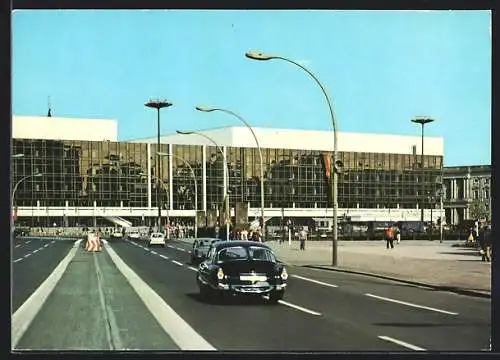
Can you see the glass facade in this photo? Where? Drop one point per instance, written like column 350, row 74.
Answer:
column 109, row 174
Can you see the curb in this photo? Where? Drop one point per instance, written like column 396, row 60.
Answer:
column 417, row 283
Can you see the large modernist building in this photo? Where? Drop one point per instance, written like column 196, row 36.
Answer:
column 86, row 174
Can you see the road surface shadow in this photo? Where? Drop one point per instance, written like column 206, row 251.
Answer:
column 228, row 300
column 418, row 325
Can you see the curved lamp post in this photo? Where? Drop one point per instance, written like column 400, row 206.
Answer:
column 226, row 185
column 14, row 193
column 254, row 55
column 158, row 105
column 210, row 109
column 195, row 188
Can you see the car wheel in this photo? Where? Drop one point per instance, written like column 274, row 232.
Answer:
column 276, row 296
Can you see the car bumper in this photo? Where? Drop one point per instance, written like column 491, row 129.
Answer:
column 250, row 289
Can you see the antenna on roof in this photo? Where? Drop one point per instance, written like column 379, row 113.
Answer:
column 49, row 113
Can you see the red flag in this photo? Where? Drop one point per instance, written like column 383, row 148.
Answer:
column 327, row 164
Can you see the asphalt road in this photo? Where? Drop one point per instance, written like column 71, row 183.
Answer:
column 94, row 308
column 356, row 313
column 32, row 262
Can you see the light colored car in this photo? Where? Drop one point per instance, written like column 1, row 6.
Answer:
column 134, row 235
column 117, row 234
column 157, row 238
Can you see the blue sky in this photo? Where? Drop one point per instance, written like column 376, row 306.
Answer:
column 381, row 68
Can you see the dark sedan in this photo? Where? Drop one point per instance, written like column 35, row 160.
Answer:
column 200, row 249
column 242, row 268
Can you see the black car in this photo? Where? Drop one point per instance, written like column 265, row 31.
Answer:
column 242, row 268
column 200, row 249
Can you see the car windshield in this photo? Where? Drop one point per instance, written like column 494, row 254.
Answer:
column 236, row 253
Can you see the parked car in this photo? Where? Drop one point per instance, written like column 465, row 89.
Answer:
column 200, row 249
column 156, row 238
column 134, row 234
column 242, row 268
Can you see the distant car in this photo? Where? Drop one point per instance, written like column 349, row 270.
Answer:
column 200, row 249
column 242, row 268
column 157, row 238
column 134, row 234
column 117, row 234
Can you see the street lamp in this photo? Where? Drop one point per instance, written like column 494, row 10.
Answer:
column 14, row 194
column 209, row 109
column 158, row 104
column 337, row 165
column 195, row 189
column 225, row 164
column 422, row 121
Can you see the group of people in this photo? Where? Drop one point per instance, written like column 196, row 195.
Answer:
column 245, row 234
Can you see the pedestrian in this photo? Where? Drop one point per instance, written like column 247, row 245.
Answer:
column 303, row 238
column 389, row 237
column 484, row 244
column 397, row 232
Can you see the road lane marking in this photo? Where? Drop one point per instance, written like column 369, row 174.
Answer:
column 177, row 263
column 402, row 343
column 154, row 252
column 297, row 307
column 53, row 241
column 46, row 245
column 170, row 246
column 35, row 251
column 163, row 256
column 176, row 327
column 411, row 304
column 27, row 242
column 192, row 268
column 314, row 281
column 23, row 317
column 180, row 249
column 27, row 255
column 18, row 246
column 17, row 260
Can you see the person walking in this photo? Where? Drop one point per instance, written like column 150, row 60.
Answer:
column 303, row 238
column 484, row 246
column 389, row 237
column 398, row 234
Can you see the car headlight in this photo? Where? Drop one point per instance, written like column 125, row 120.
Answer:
column 284, row 274
column 220, row 274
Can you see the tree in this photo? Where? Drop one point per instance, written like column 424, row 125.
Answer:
column 478, row 210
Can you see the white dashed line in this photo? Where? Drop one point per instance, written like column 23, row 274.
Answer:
column 46, row 245
column 412, row 305
column 27, row 255
column 18, row 246
column 154, row 252
column 163, row 257
column 170, row 246
column 314, row 281
column 177, row 263
column 17, row 260
column 402, row 343
column 192, row 268
column 53, row 241
column 180, row 249
column 27, row 242
column 35, row 251
column 297, row 307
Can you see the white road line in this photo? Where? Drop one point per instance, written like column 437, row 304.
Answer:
column 18, row 246
column 170, row 246
column 154, row 252
column 402, row 343
column 27, row 242
column 180, row 249
column 46, row 245
column 177, row 263
column 314, row 281
column 23, row 317
column 17, row 260
column 53, row 241
column 35, row 251
column 176, row 327
column 164, row 257
column 27, row 255
column 299, row 308
column 411, row 304
column 192, row 268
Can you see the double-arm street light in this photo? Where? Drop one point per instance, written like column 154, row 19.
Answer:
column 210, row 109
column 225, row 165
column 14, row 189
column 195, row 188
column 422, row 121
column 158, row 104
column 336, row 164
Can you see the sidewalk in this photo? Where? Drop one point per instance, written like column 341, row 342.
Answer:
column 423, row 262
